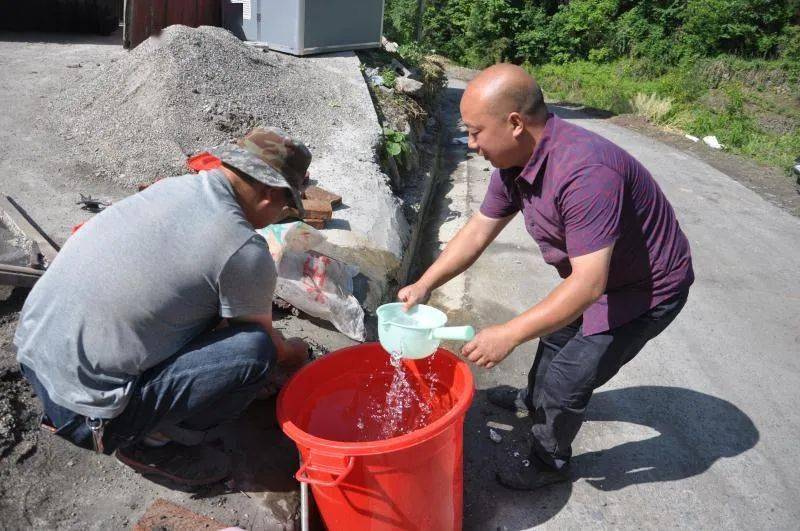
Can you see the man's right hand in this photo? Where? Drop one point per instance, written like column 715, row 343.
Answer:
column 295, row 353
column 290, row 352
column 414, row 294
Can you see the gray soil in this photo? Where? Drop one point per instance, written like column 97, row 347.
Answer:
column 13, row 249
column 139, row 115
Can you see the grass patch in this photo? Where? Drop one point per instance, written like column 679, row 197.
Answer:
column 752, row 107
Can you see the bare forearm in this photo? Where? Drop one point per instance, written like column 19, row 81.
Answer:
column 561, row 307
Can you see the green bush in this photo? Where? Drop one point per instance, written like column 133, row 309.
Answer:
column 400, row 19
column 744, row 27
column 662, row 32
column 730, row 68
column 582, row 27
column 789, row 45
column 395, row 144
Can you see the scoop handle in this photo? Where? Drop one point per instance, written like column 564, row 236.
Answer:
column 458, row 333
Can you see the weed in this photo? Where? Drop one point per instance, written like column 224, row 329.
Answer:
column 651, row 107
column 395, row 144
column 389, row 77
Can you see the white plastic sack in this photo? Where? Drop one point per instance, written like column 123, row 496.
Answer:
column 312, row 282
column 712, row 142
column 323, row 287
column 294, row 237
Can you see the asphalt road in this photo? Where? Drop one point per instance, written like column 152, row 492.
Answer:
column 700, row 430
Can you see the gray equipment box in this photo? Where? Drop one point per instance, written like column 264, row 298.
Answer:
column 302, row 27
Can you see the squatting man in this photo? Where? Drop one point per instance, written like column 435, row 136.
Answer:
column 121, row 337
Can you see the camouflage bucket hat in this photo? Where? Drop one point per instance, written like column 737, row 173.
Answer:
column 269, row 156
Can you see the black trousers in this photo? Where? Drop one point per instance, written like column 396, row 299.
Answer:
column 569, row 366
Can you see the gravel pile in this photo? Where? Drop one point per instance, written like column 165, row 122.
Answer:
column 189, row 89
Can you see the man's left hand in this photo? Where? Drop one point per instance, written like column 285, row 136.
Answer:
column 490, row 346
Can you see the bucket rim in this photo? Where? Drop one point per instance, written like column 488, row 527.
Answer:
column 442, row 316
column 401, row 442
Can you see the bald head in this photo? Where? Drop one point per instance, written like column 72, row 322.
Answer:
column 505, row 88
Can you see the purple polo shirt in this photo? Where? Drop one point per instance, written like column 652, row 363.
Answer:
column 580, row 193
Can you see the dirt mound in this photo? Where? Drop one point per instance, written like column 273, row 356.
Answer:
column 183, row 91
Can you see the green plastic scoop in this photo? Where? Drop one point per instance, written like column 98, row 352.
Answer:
column 417, row 333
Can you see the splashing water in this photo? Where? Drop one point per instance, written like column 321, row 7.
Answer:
column 402, row 399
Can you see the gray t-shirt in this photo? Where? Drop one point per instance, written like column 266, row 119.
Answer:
column 135, row 284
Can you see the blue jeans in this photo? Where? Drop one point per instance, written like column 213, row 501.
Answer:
column 210, row 380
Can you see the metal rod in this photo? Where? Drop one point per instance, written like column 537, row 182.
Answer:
column 304, row 506
column 8, row 268
column 303, row 499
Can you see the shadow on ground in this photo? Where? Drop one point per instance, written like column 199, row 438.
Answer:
column 569, row 110
column 694, row 431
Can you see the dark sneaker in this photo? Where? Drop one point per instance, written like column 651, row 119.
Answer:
column 185, row 465
column 532, row 477
column 509, row 398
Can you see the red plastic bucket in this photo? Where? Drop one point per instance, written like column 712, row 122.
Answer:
column 360, row 481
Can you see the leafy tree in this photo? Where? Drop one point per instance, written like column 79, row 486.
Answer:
column 399, row 19
column 657, row 33
column 582, row 27
column 742, row 27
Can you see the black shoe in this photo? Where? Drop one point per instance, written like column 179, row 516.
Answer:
column 531, row 477
column 509, row 398
column 184, row 465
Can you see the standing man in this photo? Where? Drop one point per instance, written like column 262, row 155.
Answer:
column 600, row 218
column 119, row 337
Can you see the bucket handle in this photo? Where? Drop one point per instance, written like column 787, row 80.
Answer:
column 340, row 473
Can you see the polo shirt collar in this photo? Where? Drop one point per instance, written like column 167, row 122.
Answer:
column 531, row 169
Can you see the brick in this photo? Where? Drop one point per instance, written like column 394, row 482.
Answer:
column 316, row 223
column 317, row 209
column 315, row 193
column 167, row 516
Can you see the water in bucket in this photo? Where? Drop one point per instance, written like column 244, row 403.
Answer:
column 383, row 400
column 408, row 334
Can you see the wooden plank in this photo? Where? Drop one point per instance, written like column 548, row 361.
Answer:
column 147, row 17
column 24, row 277
column 23, row 223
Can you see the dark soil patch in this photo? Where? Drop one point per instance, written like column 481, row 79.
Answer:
column 18, row 411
